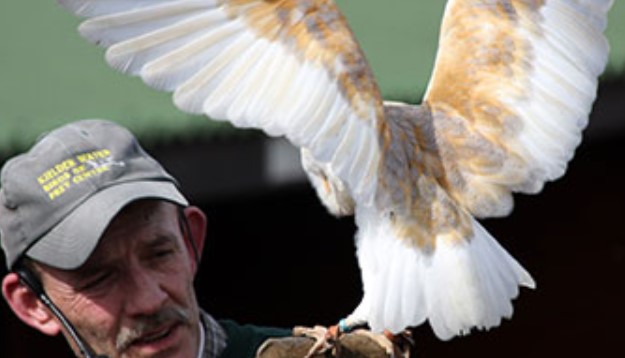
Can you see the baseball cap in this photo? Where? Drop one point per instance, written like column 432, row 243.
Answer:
column 57, row 199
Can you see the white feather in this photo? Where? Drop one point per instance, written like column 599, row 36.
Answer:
column 221, row 93
column 257, row 58
column 331, row 190
column 193, row 93
column 456, row 287
column 133, row 54
column 92, row 8
column 568, row 57
column 108, row 30
column 172, row 70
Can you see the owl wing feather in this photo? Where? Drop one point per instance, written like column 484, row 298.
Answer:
column 288, row 67
column 511, row 91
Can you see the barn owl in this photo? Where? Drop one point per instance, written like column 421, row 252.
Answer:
column 510, row 93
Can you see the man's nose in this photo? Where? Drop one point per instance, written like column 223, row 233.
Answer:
column 145, row 293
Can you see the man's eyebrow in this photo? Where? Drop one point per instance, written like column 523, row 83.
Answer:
column 92, row 267
column 87, row 272
column 162, row 239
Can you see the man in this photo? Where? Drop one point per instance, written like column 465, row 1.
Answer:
column 103, row 248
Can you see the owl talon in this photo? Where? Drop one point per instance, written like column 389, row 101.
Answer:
column 324, row 338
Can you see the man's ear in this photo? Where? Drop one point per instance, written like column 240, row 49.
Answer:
column 197, row 228
column 27, row 306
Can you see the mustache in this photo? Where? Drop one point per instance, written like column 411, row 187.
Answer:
column 141, row 326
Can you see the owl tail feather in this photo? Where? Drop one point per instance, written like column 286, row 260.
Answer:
column 458, row 286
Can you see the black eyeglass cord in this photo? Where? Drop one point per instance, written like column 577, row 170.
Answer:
column 32, row 282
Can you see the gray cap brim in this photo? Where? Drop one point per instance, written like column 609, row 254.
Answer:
column 70, row 243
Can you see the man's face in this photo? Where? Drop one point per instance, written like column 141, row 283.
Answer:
column 134, row 297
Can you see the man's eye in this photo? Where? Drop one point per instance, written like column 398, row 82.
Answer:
column 163, row 253
column 97, row 281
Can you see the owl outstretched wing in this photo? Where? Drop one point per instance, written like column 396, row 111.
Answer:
column 511, row 92
column 289, row 67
